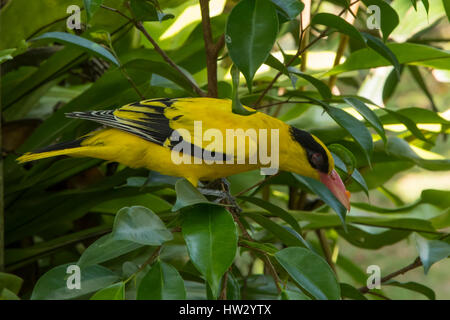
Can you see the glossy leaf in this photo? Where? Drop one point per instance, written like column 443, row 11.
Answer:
column 325, row 194
column 236, row 105
column 140, row 225
column 91, row 6
column 406, row 53
column 413, row 286
column 383, row 50
column 211, row 239
column 336, row 22
column 86, row 45
column 389, row 17
column 187, row 195
column 323, row 89
column 290, row 9
column 368, row 114
column 146, row 11
column 53, row 284
column 287, row 237
column 431, row 251
column 311, row 272
column 11, row 282
column 161, row 282
column 355, row 128
column 348, row 291
column 105, row 249
column 112, row 292
column 250, row 34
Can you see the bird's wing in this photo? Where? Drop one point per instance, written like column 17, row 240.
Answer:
column 167, row 122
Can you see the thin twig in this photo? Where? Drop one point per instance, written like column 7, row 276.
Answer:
column 326, row 248
column 280, row 103
column 223, row 292
column 158, row 49
column 255, row 185
column 417, row 263
column 300, row 51
column 150, row 260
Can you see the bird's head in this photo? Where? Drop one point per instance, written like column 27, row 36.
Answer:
column 316, row 162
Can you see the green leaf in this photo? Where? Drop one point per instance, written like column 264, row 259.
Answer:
column 336, row 22
column 446, row 5
column 389, row 17
column 53, row 284
column 91, row 6
column 420, row 81
column 406, row 53
column 354, row 127
column 251, row 30
column 431, row 251
column 368, row 114
column 140, row 225
column 346, row 159
column 402, row 150
column 7, row 294
column 356, row 175
column 325, row 194
column 290, row 9
column 86, row 45
column 187, row 195
column 359, row 237
column 6, row 54
column 148, row 200
column 146, row 11
column 276, row 210
column 113, row 292
column 390, row 85
column 287, row 294
column 236, row 105
column 105, row 249
column 310, row 271
column 413, row 286
column 11, row 282
column 323, row 89
column 348, row 291
column 287, row 237
column 211, row 239
column 383, row 50
column 161, row 282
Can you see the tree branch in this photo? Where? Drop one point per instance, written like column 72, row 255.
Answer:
column 211, row 49
column 415, row 264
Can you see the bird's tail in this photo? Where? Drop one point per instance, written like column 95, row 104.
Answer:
column 59, row 149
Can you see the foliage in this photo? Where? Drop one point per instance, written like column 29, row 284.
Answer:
column 140, row 235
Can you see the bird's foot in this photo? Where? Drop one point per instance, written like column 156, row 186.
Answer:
column 221, row 195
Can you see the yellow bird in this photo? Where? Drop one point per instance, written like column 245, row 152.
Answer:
column 195, row 138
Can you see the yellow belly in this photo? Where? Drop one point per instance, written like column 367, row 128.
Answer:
column 135, row 152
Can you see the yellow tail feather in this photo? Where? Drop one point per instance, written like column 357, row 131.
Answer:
column 30, row 156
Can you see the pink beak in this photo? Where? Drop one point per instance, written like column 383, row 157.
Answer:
column 337, row 187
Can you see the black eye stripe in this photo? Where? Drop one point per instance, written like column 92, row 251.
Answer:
column 311, row 146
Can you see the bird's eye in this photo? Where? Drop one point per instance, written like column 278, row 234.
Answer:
column 317, row 160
